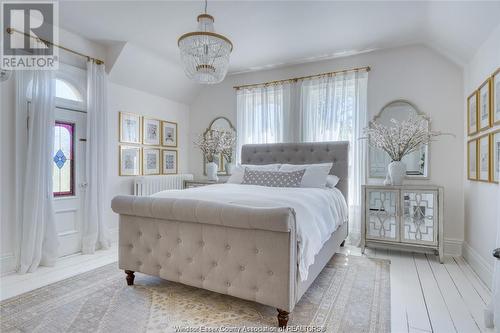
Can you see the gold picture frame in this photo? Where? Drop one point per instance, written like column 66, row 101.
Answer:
column 121, row 159
column 145, row 153
column 484, row 110
column 165, row 138
column 122, row 131
column 151, row 137
column 483, row 140
column 164, row 170
column 495, row 156
column 472, row 103
column 472, row 174
column 495, row 98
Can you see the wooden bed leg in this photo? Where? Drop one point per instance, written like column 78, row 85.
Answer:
column 282, row 318
column 343, row 243
column 130, row 277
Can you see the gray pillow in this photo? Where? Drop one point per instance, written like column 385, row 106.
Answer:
column 273, row 178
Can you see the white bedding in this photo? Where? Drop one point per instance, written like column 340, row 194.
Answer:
column 319, row 212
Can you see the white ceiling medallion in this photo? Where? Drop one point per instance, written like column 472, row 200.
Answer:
column 204, row 53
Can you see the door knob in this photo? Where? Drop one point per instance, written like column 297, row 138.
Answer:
column 496, row 253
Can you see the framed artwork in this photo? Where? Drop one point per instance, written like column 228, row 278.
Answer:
column 472, row 113
column 130, row 161
column 150, row 131
column 484, row 105
column 150, row 161
column 169, row 162
column 495, row 156
column 483, row 155
column 130, row 128
column 169, row 134
column 495, row 100
column 472, row 160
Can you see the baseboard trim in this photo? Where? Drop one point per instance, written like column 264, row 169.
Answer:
column 7, row 264
column 481, row 266
column 453, row 247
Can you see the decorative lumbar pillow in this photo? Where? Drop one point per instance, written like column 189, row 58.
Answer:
column 332, row 181
column 273, row 178
column 239, row 170
column 315, row 175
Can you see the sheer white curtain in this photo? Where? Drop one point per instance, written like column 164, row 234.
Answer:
column 38, row 237
column 333, row 108
column 263, row 115
column 329, row 108
column 95, row 230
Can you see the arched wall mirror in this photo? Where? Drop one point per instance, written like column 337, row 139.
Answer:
column 219, row 123
column 417, row 163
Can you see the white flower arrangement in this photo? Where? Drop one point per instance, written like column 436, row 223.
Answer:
column 216, row 142
column 402, row 138
column 228, row 142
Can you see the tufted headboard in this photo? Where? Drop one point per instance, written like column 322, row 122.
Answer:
column 302, row 153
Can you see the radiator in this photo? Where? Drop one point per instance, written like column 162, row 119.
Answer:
column 144, row 186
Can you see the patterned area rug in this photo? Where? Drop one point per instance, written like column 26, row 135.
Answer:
column 352, row 294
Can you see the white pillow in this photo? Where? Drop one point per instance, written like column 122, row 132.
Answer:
column 239, row 171
column 332, row 181
column 315, row 175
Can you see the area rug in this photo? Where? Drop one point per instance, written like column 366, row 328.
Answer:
column 352, row 294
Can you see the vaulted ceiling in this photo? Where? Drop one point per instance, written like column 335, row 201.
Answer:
column 274, row 33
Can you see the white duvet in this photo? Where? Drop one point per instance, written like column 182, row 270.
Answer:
column 318, row 212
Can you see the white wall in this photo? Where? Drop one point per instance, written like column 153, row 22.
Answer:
column 130, row 100
column 481, row 199
column 416, row 73
column 120, row 99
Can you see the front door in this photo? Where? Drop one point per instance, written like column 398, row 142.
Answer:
column 69, row 178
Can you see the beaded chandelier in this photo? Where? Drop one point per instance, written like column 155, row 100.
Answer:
column 204, row 53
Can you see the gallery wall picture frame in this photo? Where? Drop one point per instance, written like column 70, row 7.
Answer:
column 484, row 105
column 472, row 160
column 495, row 97
column 169, row 134
column 495, row 156
column 151, row 161
column 169, row 162
column 129, row 127
column 483, row 158
column 129, row 161
column 151, row 131
column 472, row 113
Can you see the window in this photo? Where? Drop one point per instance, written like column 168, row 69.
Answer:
column 63, row 168
column 263, row 115
column 66, row 90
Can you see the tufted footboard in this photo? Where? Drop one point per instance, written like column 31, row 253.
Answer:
column 242, row 251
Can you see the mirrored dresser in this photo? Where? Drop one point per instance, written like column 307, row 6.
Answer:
column 407, row 217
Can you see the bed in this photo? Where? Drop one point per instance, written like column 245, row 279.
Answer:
column 240, row 240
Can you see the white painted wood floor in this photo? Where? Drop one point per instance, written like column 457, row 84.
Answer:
column 425, row 295
column 15, row 284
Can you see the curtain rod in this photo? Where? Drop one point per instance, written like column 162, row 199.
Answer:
column 97, row 61
column 366, row 68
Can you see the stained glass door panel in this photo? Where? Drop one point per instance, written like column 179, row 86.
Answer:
column 63, row 167
column 419, row 217
column 382, row 219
